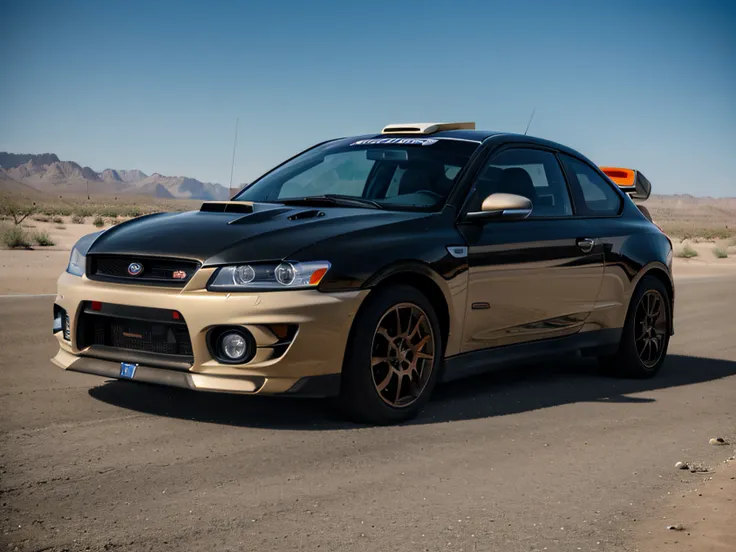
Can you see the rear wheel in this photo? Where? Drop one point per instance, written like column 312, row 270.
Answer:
column 393, row 357
column 646, row 332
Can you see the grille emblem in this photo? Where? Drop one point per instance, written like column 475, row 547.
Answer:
column 179, row 275
column 134, row 269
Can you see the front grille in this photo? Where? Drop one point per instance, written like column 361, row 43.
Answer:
column 126, row 328
column 154, row 270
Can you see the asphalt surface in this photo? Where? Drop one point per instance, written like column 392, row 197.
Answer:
column 544, row 457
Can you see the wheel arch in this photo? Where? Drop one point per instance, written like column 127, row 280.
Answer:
column 421, row 276
column 661, row 273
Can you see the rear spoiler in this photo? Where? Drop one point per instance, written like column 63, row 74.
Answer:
column 630, row 181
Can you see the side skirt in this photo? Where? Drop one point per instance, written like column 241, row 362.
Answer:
column 592, row 343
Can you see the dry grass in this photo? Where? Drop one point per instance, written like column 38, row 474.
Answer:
column 694, row 218
column 720, row 252
column 695, row 232
column 686, row 252
column 105, row 206
column 13, row 236
column 42, row 238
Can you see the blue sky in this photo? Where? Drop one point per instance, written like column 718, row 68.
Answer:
column 157, row 85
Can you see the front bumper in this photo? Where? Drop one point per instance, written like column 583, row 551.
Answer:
column 310, row 365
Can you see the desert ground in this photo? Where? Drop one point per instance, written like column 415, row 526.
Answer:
column 549, row 456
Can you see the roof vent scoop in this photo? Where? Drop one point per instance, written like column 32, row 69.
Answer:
column 425, row 128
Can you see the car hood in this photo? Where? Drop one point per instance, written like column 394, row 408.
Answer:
column 269, row 233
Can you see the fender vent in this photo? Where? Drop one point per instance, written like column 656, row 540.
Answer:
column 312, row 213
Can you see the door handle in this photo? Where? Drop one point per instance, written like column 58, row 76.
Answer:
column 586, row 244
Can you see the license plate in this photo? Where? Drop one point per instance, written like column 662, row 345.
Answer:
column 127, row 370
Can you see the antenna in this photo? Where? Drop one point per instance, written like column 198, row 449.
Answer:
column 530, row 121
column 232, row 165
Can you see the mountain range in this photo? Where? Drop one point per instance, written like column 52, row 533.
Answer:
column 45, row 173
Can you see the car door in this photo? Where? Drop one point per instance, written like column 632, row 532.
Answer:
column 534, row 278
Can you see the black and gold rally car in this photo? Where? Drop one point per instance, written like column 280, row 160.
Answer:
column 370, row 268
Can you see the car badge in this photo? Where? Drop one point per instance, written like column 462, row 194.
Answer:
column 134, row 269
column 179, row 275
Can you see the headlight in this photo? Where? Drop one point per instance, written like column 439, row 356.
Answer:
column 78, row 258
column 269, row 276
column 77, row 262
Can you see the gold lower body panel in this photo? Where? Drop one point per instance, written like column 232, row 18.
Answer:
column 324, row 321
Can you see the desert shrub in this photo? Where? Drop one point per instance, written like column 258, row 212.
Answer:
column 17, row 212
column 13, row 236
column 109, row 211
column 43, row 238
column 687, row 252
column 82, row 211
column 720, row 252
column 78, row 219
column 99, row 222
column 41, row 218
column 131, row 212
column 56, row 210
column 58, row 220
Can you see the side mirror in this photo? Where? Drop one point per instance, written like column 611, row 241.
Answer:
column 502, row 206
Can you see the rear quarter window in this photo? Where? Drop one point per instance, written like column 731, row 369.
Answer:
column 593, row 195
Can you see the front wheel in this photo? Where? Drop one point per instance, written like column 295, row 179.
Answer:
column 646, row 333
column 393, row 357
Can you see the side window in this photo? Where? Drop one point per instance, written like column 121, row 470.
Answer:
column 531, row 173
column 593, row 195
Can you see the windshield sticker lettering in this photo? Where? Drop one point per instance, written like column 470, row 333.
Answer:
column 396, row 142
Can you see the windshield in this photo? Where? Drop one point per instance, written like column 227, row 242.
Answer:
column 392, row 173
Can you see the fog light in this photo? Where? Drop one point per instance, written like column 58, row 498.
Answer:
column 233, row 345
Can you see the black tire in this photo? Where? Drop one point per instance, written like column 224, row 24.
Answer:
column 360, row 398
column 629, row 361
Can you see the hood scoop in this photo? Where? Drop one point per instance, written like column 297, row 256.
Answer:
column 226, row 207
column 260, row 215
column 309, row 214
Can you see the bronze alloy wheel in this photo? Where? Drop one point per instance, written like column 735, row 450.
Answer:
column 402, row 354
column 650, row 328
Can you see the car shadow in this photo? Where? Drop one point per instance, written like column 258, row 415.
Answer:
column 519, row 389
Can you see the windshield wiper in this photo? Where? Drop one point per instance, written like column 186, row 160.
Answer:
column 332, row 199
